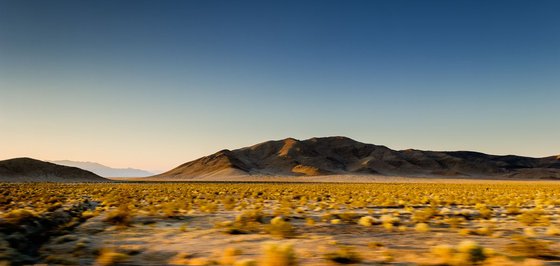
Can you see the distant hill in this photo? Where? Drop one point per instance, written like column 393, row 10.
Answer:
column 341, row 155
column 31, row 170
column 105, row 171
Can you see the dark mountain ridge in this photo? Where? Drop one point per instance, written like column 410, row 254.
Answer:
column 31, row 170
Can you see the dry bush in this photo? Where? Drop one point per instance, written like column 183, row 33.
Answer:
column 110, row 257
column 278, row 255
column 532, row 248
column 465, row 253
column 280, row 228
column 229, row 256
column 120, row 216
column 533, row 217
column 422, row 227
column 367, row 221
column 423, row 216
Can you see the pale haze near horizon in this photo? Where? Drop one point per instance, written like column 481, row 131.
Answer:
column 153, row 85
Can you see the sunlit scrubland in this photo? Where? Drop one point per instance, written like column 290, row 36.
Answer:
column 280, row 224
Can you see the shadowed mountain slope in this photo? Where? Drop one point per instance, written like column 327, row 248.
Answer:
column 341, row 155
column 31, row 170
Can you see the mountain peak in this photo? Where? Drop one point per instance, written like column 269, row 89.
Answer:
column 332, row 139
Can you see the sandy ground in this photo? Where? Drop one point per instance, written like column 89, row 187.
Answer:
column 160, row 241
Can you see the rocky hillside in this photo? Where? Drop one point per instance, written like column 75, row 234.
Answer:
column 341, row 155
column 31, row 170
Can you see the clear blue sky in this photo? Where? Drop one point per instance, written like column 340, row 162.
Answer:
column 157, row 83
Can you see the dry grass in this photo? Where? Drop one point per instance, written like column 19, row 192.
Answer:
column 184, row 223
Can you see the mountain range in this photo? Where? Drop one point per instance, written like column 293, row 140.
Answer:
column 328, row 156
column 105, row 171
column 345, row 156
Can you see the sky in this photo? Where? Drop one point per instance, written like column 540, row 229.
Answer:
column 153, row 84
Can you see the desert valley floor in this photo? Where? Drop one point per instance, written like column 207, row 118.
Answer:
column 438, row 222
